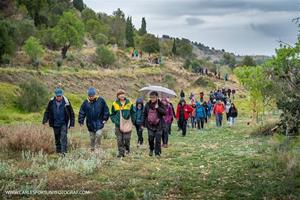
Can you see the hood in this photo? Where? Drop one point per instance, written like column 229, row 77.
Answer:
column 67, row 102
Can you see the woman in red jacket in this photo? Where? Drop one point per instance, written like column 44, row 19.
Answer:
column 182, row 115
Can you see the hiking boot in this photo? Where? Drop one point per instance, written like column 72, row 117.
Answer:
column 151, row 153
column 62, row 154
column 166, row 145
column 120, row 155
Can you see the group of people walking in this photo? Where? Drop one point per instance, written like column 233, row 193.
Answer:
column 156, row 115
column 200, row 111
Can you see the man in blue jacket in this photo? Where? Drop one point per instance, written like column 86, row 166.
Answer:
column 60, row 115
column 96, row 112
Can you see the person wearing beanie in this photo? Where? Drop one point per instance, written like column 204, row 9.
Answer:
column 123, row 116
column 60, row 116
column 139, row 109
column 95, row 110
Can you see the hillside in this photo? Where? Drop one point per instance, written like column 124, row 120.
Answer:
column 75, row 80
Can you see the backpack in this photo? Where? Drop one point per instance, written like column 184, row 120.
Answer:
column 153, row 117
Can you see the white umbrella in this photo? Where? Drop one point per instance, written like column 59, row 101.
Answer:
column 162, row 91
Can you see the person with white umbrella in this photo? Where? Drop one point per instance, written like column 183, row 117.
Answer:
column 154, row 122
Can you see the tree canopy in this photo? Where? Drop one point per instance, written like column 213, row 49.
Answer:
column 69, row 32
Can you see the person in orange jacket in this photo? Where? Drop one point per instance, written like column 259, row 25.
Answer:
column 218, row 111
column 182, row 115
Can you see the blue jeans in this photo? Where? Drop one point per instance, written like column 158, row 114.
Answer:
column 61, row 138
column 95, row 139
column 193, row 122
column 165, row 133
column 232, row 121
column 139, row 132
column 219, row 118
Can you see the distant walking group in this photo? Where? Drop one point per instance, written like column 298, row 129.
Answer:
column 200, row 111
column 136, row 54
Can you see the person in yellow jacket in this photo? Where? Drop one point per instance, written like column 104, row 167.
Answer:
column 123, row 116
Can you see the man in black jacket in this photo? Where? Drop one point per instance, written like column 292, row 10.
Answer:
column 154, row 122
column 60, row 115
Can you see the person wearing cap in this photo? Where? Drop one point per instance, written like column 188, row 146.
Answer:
column 60, row 116
column 123, row 116
column 95, row 110
column 139, row 109
column 153, row 120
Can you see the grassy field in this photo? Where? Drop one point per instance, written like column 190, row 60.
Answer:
column 223, row 163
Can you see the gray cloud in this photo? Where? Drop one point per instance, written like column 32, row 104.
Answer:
column 192, row 21
column 275, row 29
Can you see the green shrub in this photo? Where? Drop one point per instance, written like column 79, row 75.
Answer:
column 59, row 62
column 81, row 64
column 5, row 170
column 23, row 30
column 187, row 64
column 106, row 195
column 33, row 49
column 7, row 43
column 101, row 39
column 33, row 96
column 170, row 80
column 70, row 57
column 104, row 56
column 205, row 82
column 94, row 27
column 6, row 58
column 46, row 36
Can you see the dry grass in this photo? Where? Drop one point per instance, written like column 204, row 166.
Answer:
column 32, row 138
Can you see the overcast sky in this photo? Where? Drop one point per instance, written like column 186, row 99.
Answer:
column 239, row 26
